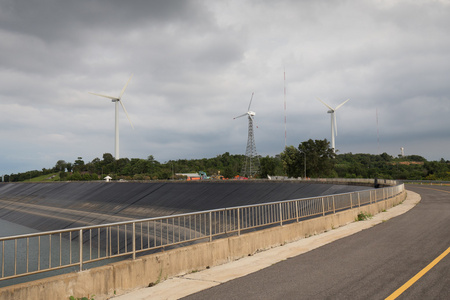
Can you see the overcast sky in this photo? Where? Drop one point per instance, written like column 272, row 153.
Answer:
column 196, row 64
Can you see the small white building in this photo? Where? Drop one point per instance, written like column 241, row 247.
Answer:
column 108, row 178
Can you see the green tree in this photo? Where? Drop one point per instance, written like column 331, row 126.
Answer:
column 79, row 165
column 62, row 175
column 60, row 165
column 230, row 171
column 317, row 155
column 75, row 176
column 108, row 164
column 271, row 166
column 415, row 158
column 319, row 158
column 291, row 161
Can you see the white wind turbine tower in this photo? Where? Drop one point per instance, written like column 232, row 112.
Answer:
column 251, row 164
column 333, row 121
column 117, row 100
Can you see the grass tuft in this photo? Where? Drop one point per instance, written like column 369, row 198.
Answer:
column 362, row 216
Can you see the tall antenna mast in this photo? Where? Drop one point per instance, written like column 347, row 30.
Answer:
column 285, row 136
column 378, row 134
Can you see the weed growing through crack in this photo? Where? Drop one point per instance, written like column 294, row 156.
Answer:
column 157, row 281
column 82, row 298
column 362, row 216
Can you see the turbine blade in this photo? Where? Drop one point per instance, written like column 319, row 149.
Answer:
column 240, row 116
column 337, row 107
column 250, row 102
column 106, row 96
column 125, row 87
column 325, row 104
column 128, row 117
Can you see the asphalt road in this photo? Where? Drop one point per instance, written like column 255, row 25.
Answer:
column 371, row 264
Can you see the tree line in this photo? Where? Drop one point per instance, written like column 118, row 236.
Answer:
column 311, row 159
column 315, row 158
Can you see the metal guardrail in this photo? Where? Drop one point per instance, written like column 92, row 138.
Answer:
column 430, row 182
column 28, row 254
column 388, row 182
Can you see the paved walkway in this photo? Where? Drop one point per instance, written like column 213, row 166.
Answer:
column 178, row 287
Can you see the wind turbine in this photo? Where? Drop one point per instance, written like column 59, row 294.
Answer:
column 333, row 121
column 116, row 100
column 251, row 165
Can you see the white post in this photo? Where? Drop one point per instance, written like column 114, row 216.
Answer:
column 281, row 216
column 81, row 249
column 334, row 207
column 134, row 240
column 323, row 208
column 239, row 221
column 210, row 227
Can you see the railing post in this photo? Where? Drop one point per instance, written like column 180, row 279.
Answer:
column 385, row 200
column 226, row 220
column 334, row 207
column 359, row 200
column 239, row 221
column 15, row 257
column 351, row 200
column 81, row 249
column 49, row 252
column 134, row 240
column 281, row 215
column 106, row 246
column 296, row 210
column 323, row 208
column 3, row 259
column 210, row 227
column 288, row 211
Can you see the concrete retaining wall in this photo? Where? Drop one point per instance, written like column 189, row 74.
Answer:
column 117, row 278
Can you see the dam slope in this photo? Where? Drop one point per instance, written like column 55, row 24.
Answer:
column 59, row 205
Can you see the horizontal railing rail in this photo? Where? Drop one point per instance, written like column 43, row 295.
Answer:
column 388, row 182
column 22, row 255
column 430, row 182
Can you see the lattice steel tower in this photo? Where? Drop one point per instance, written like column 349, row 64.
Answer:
column 251, row 165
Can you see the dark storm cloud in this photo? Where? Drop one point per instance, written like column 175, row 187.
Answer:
column 56, row 20
column 39, row 35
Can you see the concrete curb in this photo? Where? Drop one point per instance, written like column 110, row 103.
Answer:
column 181, row 286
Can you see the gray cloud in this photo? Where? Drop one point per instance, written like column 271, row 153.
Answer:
column 195, row 65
